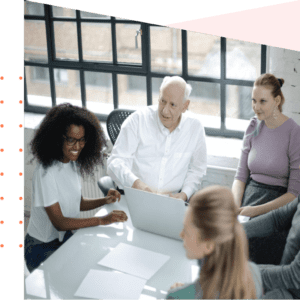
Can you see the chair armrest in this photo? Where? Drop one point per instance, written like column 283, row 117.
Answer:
column 105, row 183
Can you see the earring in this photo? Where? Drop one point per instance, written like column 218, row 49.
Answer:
column 275, row 112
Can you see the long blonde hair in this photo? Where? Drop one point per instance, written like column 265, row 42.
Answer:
column 225, row 273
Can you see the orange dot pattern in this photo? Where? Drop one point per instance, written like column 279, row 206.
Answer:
column 1, row 101
column 20, row 174
column 20, row 198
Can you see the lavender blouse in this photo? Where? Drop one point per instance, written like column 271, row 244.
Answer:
column 273, row 156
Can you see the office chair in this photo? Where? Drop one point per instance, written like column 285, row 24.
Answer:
column 113, row 124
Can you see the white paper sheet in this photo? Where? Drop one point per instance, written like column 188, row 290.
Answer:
column 134, row 260
column 110, row 285
column 243, row 219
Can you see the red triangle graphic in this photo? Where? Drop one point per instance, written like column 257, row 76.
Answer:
column 276, row 25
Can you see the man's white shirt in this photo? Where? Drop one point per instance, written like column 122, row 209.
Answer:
column 166, row 162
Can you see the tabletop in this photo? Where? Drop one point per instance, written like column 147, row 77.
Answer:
column 61, row 274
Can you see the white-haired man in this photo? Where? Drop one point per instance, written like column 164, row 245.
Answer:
column 159, row 148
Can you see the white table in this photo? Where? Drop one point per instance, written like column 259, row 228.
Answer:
column 61, row 274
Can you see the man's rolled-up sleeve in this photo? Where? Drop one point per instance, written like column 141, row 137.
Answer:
column 197, row 166
column 119, row 164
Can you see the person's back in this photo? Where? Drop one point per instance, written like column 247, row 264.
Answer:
column 213, row 235
column 194, row 291
column 282, row 280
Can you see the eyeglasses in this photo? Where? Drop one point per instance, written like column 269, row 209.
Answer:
column 72, row 141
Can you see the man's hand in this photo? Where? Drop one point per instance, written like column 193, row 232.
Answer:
column 140, row 185
column 249, row 211
column 112, row 196
column 181, row 196
column 176, row 285
column 113, row 217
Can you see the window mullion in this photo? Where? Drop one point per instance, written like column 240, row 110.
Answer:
column 263, row 65
column 115, row 61
column 25, row 90
column 51, row 50
column 114, row 41
column 80, row 55
column 223, row 85
column 79, row 37
column 115, row 90
column 184, row 55
column 146, row 55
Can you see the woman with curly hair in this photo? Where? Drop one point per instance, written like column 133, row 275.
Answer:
column 213, row 235
column 67, row 145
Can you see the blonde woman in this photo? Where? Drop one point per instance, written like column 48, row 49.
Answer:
column 213, row 235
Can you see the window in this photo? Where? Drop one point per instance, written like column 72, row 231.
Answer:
column 40, row 74
column 32, row 8
column 103, row 63
column 97, row 79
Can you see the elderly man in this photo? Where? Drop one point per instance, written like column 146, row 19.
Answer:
column 159, row 148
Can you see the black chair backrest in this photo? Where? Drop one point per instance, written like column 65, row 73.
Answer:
column 114, row 121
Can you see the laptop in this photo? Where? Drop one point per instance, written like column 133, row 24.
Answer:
column 155, row 213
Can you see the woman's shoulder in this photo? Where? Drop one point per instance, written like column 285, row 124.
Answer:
column 187, row 291
column 292, row 130
column 41, row 169
column 253, row 125
column 56, row 166
column 294, row 127
column 253, row 122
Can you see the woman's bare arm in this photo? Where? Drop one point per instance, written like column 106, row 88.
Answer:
column 253, row 211
column 62, row 223
column 238, row 189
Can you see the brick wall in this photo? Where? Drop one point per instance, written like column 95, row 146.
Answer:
column 285, row 64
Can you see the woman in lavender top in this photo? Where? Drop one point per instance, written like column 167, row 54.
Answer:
column 268, row 175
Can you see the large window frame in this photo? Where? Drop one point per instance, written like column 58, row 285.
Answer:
column 115, row 68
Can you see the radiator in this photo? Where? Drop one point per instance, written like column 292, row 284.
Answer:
column 90, row 189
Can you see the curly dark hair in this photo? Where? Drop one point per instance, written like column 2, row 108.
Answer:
column 47, row 144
